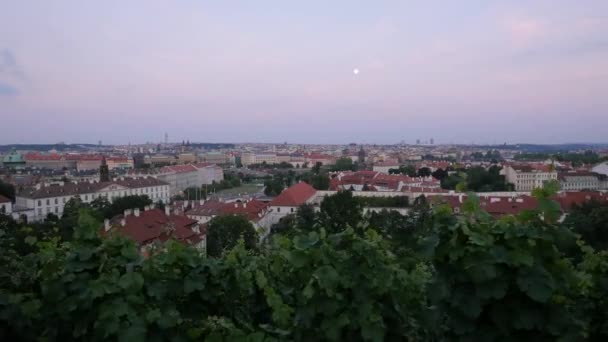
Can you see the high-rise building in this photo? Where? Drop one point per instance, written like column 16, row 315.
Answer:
column 432, row 141
column 417, row 141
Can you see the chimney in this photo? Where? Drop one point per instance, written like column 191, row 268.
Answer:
column 106, row 224
column 167, row 210
column 245, row 205
column 136, row 212
column 123, row 222
column 236, row 205
column 127, row 212
column 185, row 204
column 202, row 202
column 38, row 186
column 460, row 198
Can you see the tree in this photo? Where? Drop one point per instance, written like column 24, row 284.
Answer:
column 424, row 172
column 590, row 220
column 488, row 269
column 440, row 174
column 340, row 211
column 224, row 232
column 7, row 190
column 274, row 186
column 306, row 216
column 344, row 164
column 317, row 168
column 119, row 205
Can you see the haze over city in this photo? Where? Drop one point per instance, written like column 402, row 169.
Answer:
column 310, row 72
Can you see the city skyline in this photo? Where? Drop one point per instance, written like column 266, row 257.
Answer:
column 348, row 71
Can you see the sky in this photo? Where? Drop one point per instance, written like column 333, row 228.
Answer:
column 467, row 71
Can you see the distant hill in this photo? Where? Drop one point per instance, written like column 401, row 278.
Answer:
column 47, row 147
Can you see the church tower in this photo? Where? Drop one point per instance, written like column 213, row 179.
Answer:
column 104, row 172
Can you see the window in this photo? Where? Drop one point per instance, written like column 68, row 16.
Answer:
column 56, row 200
column 86, row 197
column 48, row 202
column 39, row 203
column 292, row 210
column 278, row 210
column 64, row 200
column 56, row 210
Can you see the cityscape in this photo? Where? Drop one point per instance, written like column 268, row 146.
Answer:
column 339, row 171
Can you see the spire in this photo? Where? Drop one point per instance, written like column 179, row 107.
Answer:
column 104, row 171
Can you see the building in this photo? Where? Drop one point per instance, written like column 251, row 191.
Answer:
column 215, row 158
column 582, row 180
column 247, row 158
column 181, row 177
column 6, row 206
column 203, row 211
column 268, row 158
column 289, row 200
column 119, row 163
column 53, row 161
column 527, row 177
column 151, row 228
column 45, row 198
column 88, row 162
column 13, row 160
column 384, row 167
column 601, row 168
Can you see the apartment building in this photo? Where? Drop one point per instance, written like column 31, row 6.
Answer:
column 38, row 201
column 181, row 177
column 582, row 180
column 527, row 177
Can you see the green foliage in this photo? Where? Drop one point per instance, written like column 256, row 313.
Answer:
column 340, row 211
column 384, row 202
column 590, row 220
column 336, row 275
column 119, row 205
column 317, row 181
column 274, row 185
column 224, row 232
column 503, row 280
column 7, row 190
column 408, row 170
column 344, row 164
column 476, row 179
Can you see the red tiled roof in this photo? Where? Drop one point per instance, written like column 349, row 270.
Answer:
column 40, row 156
column 154, row 225
column 567, row 199
column 294, row 196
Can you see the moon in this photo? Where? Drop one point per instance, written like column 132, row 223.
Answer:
column 355, row 71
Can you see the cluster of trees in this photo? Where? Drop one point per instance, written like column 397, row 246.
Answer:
column 384, row 202
column 491, row 155
column 345, row 164
column 264, row 165
column 577, row 159
column 7, row 190
column 332, row 275
column 476, row 179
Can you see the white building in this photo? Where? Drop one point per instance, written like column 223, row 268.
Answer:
column 289, row 200
column 181, row 177
column 601, row 168
column 38, row 201
column 582, row 180
column 384, row 167
column 528, row 177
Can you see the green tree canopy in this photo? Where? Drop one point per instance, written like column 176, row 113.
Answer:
column 224, row 232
